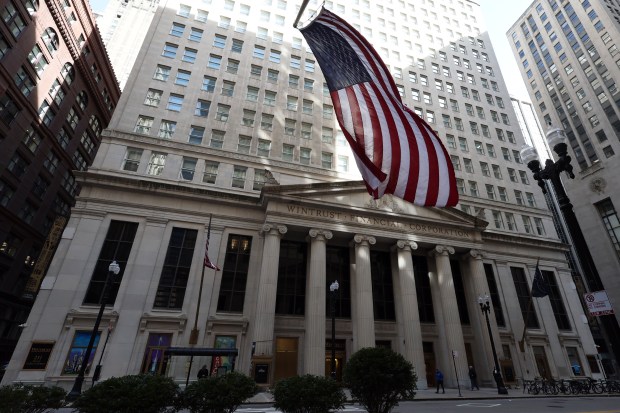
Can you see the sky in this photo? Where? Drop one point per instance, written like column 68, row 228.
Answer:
column 498, row 15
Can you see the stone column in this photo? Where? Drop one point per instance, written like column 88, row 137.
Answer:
column 314, row 341
column 267, row 288
column 483, row 350
column 363, row 320
column 451, row 328
column 408, row 311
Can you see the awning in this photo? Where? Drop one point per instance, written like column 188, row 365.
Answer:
column 197, row 351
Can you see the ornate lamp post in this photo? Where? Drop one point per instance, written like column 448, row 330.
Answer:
column 333, row 288
column 75, row 392
column 551, row 172
column 485, row 306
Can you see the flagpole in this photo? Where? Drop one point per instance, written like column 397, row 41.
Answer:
column 301, row 11
column 193, row 337
column 527, row 316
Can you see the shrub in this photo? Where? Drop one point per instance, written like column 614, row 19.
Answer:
column 130, row 394
column 218, row 394
column 308, row 394
column 19, row 398
column 379, row 378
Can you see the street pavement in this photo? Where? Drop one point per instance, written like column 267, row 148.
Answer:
column 466, row 400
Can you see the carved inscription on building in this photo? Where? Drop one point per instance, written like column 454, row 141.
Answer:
column 383, row 222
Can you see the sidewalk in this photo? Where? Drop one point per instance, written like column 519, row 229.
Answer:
column 488, row 393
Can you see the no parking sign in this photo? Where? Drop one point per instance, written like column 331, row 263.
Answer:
column 598, row 303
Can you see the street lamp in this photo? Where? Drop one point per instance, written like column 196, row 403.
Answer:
column 551, row 172
column 333, row 288
column 485, row 306
column 75, row 392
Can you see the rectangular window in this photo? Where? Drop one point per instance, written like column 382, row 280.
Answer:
column 153, row 97
column 270, row 98
column 170, row 50
column 611, row 222
column 228, row 88
column 208, row 83
column 327, row 160
column 182, row 78
column 495, row 297
column 306, row 130
column 176, row 270
column 231, row 296
column 248, row 118
column 260, row 178
column 156, row 164
column 217, row 138
column 288, row 152
column 222, row 112
column 239, row 173
column 195, row 35
column 266, row 122
column 244, row 144
column 188, row 168
column 523, row 295
column 259, row 52
column 166, row 129
column 252, row 94
column 304, row 156
column 291, row 285
column 232, row 66
column 175, row 102
column 73, row 363
column 117, row 245
column 202, row 108
column 264, row 147
column 210, row 173
column 196, row 133
column 144, row 125
column 154, row 362
column 132, row 159
column 557, row 304
column 215, row 62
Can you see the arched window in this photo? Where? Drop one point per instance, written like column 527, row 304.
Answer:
column 82, row 100
column 95, row 125
column 50, row 38
column 31, row 5
column 68, row 73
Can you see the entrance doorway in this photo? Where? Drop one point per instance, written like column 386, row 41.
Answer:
column 429, row 362
column 541, row 362
column 340, row 357
column 286, row 358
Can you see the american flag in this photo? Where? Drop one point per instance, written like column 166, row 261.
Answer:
column 395, row 150
column 208, row 262
column 539, row 286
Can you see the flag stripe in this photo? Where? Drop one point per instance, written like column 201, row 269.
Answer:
column 396, row 151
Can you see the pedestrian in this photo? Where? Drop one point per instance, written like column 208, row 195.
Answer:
column 439, row 380
column 203, row 373
column 473, row 377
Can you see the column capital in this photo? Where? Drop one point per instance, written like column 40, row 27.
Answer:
column 442, row 250
column 320, row 234
column 274, row 229
column 407, row 245
column 361, row 239
column 476, row 254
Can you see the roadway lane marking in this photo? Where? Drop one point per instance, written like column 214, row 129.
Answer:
column 602, row 411
column 478, row 405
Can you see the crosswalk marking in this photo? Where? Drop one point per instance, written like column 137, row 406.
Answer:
column 274, row 410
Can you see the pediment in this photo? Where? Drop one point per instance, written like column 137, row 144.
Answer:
column 352, row 196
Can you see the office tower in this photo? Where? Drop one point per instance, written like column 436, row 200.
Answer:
column 570, row 63
column 226, row 124
column 57, row 93
column 123, row 26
